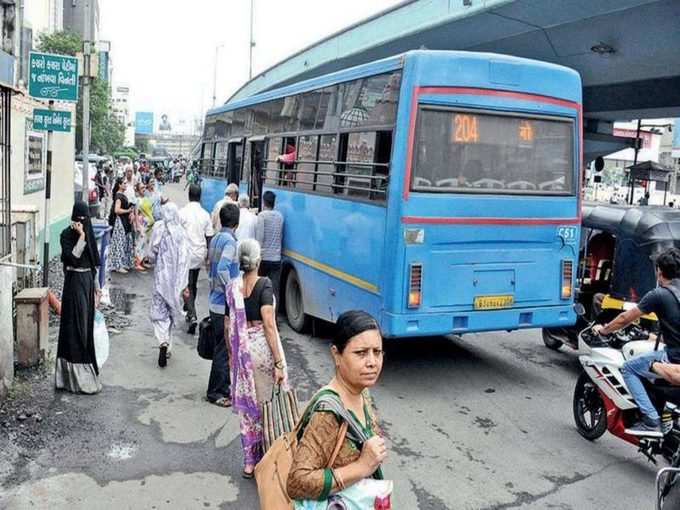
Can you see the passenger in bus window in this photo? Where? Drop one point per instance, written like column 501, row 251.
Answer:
column 288, row 161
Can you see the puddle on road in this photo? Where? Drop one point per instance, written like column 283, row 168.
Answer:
column 122, row 451
column 122, row 300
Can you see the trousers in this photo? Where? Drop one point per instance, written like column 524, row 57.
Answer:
column 633, row 371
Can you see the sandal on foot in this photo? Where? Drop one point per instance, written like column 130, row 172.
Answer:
column 248, row 476
column 222, row 402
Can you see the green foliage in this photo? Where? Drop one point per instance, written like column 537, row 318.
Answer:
column 107, row 132
column 61, row 43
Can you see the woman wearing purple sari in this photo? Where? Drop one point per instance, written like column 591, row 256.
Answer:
column 256, row 356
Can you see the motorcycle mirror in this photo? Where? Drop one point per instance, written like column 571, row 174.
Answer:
column 579, row 309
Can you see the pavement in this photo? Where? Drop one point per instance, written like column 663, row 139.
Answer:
column 479, row 422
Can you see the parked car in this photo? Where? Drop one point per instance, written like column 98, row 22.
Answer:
column 92, row 195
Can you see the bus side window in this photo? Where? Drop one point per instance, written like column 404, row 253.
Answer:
column 272, row 171
column 383, row 153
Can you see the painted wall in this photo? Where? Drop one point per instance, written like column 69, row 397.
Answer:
column 27, row 188
column 6, row 330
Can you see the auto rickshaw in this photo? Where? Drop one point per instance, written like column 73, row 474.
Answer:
column 616, row 265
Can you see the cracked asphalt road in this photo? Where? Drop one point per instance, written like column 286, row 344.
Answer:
column 482, row 422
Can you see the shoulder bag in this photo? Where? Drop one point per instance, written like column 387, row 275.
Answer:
column 206, row 339
column 271, row 473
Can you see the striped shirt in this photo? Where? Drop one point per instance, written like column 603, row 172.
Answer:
column 269, row 234
column 223, row 268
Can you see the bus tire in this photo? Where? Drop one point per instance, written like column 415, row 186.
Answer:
column 294, row 304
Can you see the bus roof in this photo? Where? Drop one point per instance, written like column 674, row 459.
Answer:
column 386, row 65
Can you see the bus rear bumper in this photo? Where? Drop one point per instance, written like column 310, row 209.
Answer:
column 428, row 324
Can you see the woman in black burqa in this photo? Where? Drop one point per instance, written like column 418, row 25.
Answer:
column 77, row 369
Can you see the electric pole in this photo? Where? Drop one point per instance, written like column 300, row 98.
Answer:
column 252, row 43
column 87, row 50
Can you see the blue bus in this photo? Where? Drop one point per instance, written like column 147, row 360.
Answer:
column 437, row 190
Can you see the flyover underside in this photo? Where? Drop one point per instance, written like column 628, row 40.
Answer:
column 641, row 74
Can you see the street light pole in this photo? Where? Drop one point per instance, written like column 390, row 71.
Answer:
column 217, row 50
column 252, row 42
column 88, row 22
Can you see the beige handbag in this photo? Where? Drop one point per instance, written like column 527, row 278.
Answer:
column 271, row 473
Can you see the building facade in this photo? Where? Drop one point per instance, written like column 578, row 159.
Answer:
column 74, row 12
column 120, row 106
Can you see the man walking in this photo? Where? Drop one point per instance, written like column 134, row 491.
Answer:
column 230, row 197
column 196, row 222
column 247, row 222
column 223, row 268
column 269, row 234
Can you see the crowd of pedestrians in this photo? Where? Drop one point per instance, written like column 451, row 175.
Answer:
column 242, row 253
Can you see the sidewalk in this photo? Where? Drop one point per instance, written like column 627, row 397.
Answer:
column 148, row 440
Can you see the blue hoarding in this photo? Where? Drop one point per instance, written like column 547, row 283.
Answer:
column 144, row 123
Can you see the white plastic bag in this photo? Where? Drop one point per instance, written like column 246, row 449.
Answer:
column 101, row 339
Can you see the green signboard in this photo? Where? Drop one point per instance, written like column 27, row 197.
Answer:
column 53, row 77
column 104, row 65
column 51, row 120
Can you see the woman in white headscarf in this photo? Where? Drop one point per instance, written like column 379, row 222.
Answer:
column 169, row 251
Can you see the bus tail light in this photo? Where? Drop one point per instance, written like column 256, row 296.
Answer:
column 415, row 285
column 567, row 274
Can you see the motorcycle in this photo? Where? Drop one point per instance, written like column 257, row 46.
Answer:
column 602, row 402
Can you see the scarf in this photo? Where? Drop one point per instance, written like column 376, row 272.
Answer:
column 80, row 211
column 171, row 246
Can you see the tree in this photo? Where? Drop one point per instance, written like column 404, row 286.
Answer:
column 107, row 133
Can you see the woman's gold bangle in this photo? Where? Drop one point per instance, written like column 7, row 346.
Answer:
column 278, row 364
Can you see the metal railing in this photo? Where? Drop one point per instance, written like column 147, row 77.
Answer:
column 339, row 181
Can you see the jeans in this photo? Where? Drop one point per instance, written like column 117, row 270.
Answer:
column 273, row 271
column 219, row 382
column 636, row 368
column 191, row 303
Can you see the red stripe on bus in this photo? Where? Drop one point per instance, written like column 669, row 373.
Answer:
column 486, row 92
column 488, row 221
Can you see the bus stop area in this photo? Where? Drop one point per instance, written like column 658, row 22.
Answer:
column 478, row 422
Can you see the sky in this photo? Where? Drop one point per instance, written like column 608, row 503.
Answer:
column 164, row 50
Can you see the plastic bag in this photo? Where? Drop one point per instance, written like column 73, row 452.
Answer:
column 101, row 339
column 366, row 494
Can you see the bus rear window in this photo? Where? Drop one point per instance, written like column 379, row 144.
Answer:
column 466, row 151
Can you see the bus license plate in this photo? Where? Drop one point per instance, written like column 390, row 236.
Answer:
column 493, row 302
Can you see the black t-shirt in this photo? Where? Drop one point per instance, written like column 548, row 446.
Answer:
column 663, row 303
column 262, row 295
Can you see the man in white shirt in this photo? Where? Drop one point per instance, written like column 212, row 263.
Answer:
column 230, row 197
column 196, row 222
column 247, row 222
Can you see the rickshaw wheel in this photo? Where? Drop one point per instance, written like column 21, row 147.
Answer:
column 551, row 339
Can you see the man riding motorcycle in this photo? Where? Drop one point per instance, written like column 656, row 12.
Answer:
column 664, row 301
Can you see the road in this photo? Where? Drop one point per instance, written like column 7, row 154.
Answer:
column 479, row 422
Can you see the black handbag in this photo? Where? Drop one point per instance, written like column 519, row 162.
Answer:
column 206, row 339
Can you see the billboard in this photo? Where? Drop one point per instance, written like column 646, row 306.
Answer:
column 675, row 149
column 144, row 123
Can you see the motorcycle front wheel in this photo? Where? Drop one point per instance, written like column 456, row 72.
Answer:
column 590, row 414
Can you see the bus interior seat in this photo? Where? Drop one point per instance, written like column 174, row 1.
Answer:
column 451, row 182
column 522, row 185
column 488, row 183
column 421, row 181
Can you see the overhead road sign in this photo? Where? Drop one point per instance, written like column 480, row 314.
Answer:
column 53, row 77
column 51, row 120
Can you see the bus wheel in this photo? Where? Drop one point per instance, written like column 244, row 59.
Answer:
column 295, row 308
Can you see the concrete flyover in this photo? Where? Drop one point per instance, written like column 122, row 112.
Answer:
column 625, row 50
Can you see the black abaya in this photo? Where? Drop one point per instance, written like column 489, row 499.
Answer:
column 77, row 369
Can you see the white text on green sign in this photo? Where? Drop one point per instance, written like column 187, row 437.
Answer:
column 53, row 77
column 51, row 120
